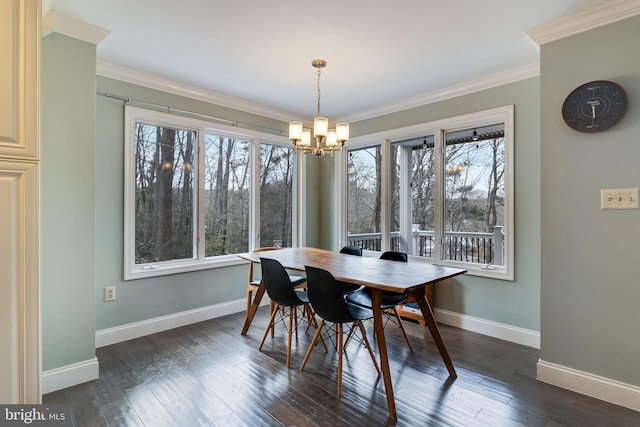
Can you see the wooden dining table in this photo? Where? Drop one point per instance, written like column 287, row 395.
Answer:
column 378, row 275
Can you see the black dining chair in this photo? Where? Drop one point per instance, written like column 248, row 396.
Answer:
column 253, row 283
column 351, row 250
column 286, row 300
column 328, row 302
column 346, row 286
column 390, row 300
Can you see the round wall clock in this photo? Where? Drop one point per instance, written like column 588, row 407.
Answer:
column 594, row 106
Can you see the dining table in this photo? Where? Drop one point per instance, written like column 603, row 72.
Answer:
column 378, row 275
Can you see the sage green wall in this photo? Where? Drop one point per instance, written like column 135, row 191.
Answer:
column 590, row 280
column 143, row 299
column 82, row 210
column 314, row 208
column 67, row 201
column 514, row 303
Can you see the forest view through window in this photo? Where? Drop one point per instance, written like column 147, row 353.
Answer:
column 164, row 193
column 364, row 197
column 449, row 194
column 276, row 185
column 189, row 198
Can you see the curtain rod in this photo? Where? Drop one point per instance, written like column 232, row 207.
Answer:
column 186, row 113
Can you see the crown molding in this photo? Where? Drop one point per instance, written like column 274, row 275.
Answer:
column 140, row 78
column 472, row 86
column 588, row 20
column 151, row 81
column 56, row 23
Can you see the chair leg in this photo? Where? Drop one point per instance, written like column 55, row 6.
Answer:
column 272, row 308
column 366, row 342
column 249, row 299
column 269, row 327
column 406, row 337
column 292, row 313
column 311, row 320
column 350, row 335
column 312, row 345
column 340, row 353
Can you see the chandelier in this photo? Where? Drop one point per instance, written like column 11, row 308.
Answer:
column 327, row 140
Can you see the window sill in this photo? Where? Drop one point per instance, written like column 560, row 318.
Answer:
column 164, row 269
column 490, row 272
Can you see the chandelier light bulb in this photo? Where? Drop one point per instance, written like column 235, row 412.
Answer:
column 295, row 131
column 332, row 139
column 306, row 137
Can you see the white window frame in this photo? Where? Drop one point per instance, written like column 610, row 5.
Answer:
column 202, row 127
column 437, row 128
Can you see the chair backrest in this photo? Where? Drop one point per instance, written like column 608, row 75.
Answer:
column 351, row 250
column 394, row 256
column 325, row 296
column 277, row 283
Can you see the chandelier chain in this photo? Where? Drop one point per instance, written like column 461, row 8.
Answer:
column 318, row 85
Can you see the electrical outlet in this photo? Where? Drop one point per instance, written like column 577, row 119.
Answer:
column 619, row 198
column 110, row 293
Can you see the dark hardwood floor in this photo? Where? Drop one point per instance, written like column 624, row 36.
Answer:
column 207, row 374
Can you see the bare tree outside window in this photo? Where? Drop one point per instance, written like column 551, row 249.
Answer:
column 422, row 157
column 474, row 194
column 448, row 192
column 194, row 193
column 164, row 211
column 276, row 195
column 226, row 197
column 473, row 184
column 364, row 196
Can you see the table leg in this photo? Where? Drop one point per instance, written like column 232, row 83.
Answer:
column 252, row 310
column 427, row 312
column 378, row 327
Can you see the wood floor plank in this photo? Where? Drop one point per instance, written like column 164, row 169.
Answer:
column 207, row 374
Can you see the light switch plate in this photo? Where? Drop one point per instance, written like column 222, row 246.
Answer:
column 620, row 198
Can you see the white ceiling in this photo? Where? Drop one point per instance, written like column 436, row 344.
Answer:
column 378, row 54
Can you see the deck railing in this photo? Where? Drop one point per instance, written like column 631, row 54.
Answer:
column 481, row 248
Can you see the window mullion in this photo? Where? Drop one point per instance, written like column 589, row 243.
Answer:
column 254, row 203
column 405, row 215
column 200, row 205
column 439, row 196
column 341, row 175
column 385, row 172
column 299, row 237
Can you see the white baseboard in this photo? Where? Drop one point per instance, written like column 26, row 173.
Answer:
column 601, row 388
column 490, row 328
column 78, row 373
column 70, row 375
column 129, row 331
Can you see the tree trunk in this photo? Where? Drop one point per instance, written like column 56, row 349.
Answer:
column 164, row 232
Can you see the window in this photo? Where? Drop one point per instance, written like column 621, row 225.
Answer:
column 196, row 195
column 474, row 195
column 440, row 191
column 364, row 195
column 226, row 195
column 276, row 185
column 413, row 185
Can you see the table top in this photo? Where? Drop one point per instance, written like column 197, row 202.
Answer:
column 373, row 272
